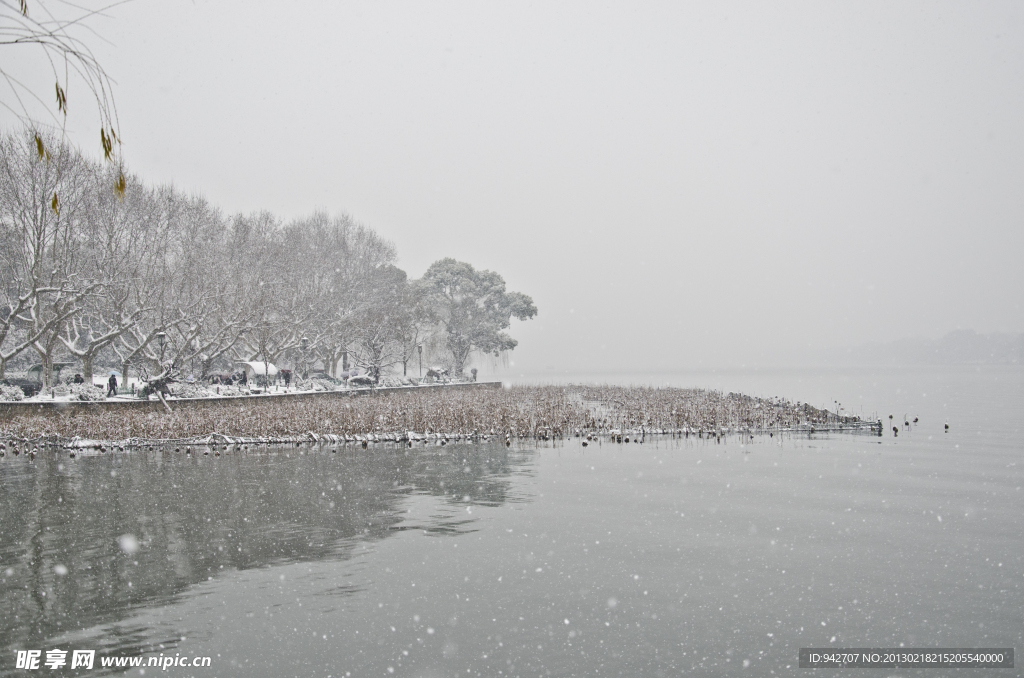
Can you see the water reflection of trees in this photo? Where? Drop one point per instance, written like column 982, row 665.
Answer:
column 195, row 518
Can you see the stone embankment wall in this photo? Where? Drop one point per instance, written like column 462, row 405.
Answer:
column 21, row 408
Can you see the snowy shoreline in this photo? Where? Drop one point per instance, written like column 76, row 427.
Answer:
column 422, row 414
column 216, row 443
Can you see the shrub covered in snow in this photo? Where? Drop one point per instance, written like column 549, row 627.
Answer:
column 186, row 390
column 226, row 390
column 11, row 393
column 86, row 392
column 321, row 385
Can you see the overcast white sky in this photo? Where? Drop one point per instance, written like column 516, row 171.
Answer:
column 675, row 184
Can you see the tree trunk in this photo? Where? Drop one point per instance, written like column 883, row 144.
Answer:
column 160, row 395
column 460, row 358
column 87, row 368
column 46, row 363
column 460, row 349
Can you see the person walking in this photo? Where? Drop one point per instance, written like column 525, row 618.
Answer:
column 112, row 385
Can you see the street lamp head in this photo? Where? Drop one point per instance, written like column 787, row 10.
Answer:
column 305, row 343
column 161, row 338
column 419, row 348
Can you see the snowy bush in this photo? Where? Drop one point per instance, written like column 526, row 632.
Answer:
column 11, row 393
column 86, row 392
column 185, row 390
column 321, row 385
column 61, row 390
column 226, row 390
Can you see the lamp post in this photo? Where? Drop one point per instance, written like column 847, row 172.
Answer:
column 161, row 340
column 305, row 361
column 419, row 349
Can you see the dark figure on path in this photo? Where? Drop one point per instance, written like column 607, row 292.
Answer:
column 112, row 386
column 79, row 379
column 473, row 371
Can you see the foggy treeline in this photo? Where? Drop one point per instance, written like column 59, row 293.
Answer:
column 162, row 282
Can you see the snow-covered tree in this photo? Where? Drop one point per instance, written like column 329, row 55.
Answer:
column 473, row 307
column 44, row 283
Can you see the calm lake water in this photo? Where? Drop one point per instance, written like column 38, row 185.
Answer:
column 667, row 558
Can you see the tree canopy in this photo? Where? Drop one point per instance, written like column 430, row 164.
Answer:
column 474, row 307
column 165, row 283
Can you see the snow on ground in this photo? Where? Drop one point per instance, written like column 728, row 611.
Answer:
column 184, row 390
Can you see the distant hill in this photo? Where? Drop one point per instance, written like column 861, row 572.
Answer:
column 961, row 347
